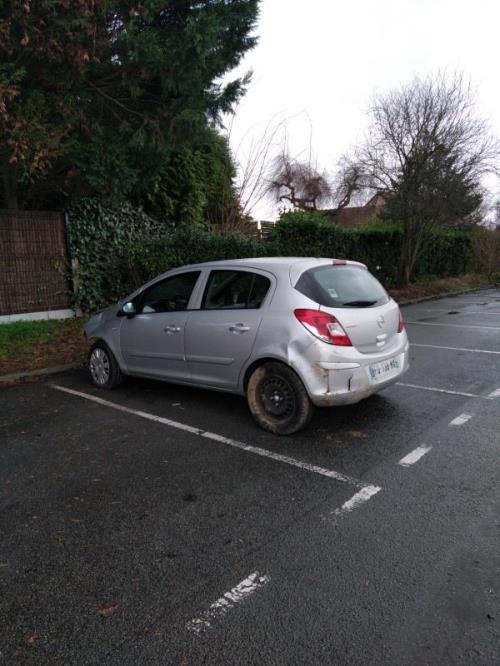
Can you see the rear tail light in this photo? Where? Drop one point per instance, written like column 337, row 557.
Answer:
column 323, row 326
column 401, row 324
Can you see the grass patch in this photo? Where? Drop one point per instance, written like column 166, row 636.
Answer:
column 19, row 337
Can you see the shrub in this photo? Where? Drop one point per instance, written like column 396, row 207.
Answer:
column 486, row 252
column 377, row 245
column 178, row 247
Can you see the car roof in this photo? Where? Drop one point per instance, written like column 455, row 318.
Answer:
column 265, row 263
column 280, row 266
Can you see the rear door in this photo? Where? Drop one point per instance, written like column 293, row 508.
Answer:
column 357, row 300
column 152, row 341
column 221, row 334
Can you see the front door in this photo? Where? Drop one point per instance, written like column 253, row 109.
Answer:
column 152, row 341
column 221, row 334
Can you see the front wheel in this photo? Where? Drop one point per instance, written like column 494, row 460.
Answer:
column 278, row 400
column 103, row 369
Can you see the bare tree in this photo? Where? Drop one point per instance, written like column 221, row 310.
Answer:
column 348, row 183
column 298, row 182
column 303, row 186
column 428, row 151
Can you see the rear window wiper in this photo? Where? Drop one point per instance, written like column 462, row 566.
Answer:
column 360, row 304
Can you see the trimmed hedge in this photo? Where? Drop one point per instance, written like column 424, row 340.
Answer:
column 117, row 248
column 179, row 247
column 377, row 245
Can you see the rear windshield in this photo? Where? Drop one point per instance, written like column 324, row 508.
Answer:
column 342, row 287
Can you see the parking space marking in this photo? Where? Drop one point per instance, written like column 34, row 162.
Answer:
column 228, row 601
column 414, row 456
column 439, row 390
column 429, row 323
column 462, row 349
column 329, row 473
column 356, row 500
column 494, row 394
column 461, row 419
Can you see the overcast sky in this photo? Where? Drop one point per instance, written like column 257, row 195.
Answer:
column 319, row 62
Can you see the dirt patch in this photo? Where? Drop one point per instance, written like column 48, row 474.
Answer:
column 439, row 287
column 64, row 344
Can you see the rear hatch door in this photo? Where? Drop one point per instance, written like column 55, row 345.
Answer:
column 349, row 292
column 370, row 329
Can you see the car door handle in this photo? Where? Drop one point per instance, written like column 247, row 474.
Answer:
column 239, row 328
column 172, row 329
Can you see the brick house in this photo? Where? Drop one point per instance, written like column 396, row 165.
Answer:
column 357, row 216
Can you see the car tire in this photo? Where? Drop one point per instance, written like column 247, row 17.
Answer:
column 278, row 399
column 104, row 371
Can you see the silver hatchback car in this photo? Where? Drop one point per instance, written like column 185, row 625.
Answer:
column 289, row 333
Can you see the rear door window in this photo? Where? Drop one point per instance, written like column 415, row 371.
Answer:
column 235, row 290
column 342, row 287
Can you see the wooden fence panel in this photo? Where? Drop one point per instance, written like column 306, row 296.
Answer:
column 33, row 262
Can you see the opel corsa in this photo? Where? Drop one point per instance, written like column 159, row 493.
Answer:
column 289, row 333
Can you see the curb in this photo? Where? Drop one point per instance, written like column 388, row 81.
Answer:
column 20, row 376
column 434, row 297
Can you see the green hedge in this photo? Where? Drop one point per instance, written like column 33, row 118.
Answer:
column 377, row 245
column 178, row 247
column 117, row 248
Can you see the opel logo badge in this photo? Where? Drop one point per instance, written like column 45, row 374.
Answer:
column 381, row 321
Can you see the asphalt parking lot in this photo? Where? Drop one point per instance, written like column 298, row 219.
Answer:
column 158, row 525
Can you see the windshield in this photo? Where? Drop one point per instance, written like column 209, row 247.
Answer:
column 342, row 287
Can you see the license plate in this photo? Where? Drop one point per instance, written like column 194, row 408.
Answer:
column 384, row 368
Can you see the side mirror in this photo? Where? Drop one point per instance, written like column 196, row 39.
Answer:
column 128, row 309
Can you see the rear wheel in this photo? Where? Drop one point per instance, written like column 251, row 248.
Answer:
column 103, row 369
column 278, row 400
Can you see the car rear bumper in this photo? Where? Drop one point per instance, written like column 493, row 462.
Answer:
column 348, row 381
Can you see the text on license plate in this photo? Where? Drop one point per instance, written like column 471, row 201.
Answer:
column 378, row 370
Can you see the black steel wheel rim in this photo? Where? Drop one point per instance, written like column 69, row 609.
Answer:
column 277, row 397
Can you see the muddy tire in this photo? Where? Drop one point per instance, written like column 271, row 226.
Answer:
column 278, row 400
column 103, row 370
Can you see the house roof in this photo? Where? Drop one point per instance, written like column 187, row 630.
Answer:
column 356, row 216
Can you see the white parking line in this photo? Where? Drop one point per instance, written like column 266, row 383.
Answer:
column 439, row 390
column 494, row 394
column 461, row 419
column 462, row 349
column 415, row 455
column 429, row 323
column 227, row 602
column 329, row 473
column 360, row 497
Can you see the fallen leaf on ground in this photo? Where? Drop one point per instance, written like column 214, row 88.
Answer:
column 357, row 433
column 106, row 611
